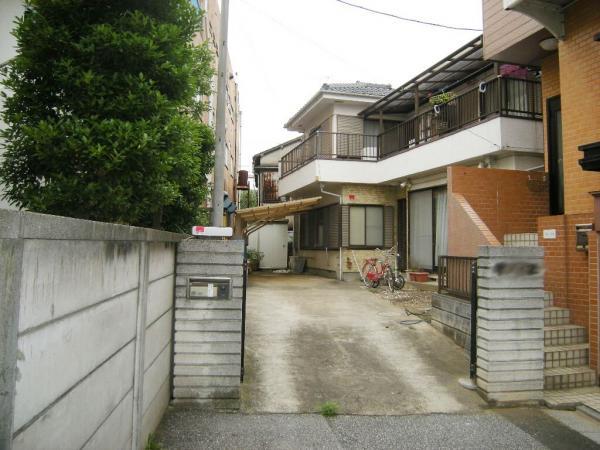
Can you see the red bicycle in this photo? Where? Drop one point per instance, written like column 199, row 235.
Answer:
column 376, row 269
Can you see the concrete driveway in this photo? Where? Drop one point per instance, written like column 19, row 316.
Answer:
column 310, row 340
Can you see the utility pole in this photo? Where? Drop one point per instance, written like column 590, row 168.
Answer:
column 219, row 169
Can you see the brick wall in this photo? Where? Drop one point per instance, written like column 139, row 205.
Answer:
column 466, row 230
column 579, row 69
column 574, row 73
column 508, row 201
column 569, row 275
column 369, row 194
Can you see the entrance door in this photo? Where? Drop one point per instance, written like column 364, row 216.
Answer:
column 428, row 227
column 421, row 229
column 555, row 156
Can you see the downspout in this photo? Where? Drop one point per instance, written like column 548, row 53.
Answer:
column 340, row 202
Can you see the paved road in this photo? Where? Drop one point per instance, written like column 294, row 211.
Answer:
column 185, row 429
column 310, row 340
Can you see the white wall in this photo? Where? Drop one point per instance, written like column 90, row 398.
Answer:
column 94, row 332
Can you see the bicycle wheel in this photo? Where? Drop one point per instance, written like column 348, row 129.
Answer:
column 390, row 279
column 370, row 276
column 399, row 282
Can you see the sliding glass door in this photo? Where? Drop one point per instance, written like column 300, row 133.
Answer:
column 428, row 227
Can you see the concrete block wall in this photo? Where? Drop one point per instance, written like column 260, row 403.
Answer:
column 208, row 333
column 510, row 324
column 452, row 316
column 89, row 334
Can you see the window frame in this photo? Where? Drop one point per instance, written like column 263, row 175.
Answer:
column 310, row 222
column 365, row 246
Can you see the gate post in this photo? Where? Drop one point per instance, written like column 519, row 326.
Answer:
column 208, row 323
column 510, row 324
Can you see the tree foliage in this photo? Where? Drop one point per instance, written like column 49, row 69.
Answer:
column 103, row 112
column 248, row 199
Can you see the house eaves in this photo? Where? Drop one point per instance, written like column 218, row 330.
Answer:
column 321, row 96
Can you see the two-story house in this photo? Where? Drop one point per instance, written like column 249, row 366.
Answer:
column 433, row 174
column 265, row 166
column 562, row 38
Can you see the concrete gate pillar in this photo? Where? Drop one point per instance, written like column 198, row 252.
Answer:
column 510, row 324
column 208, row 323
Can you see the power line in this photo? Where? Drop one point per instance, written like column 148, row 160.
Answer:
column 422, row 22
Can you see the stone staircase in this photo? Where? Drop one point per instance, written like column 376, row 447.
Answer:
column 566, row 350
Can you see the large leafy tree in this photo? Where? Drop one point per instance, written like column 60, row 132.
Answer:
column 103, row 112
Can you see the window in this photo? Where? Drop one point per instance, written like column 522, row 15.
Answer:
column 366, row 226
column 319, row 228
column 196, row 4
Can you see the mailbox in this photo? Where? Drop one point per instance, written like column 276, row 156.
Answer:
column 581, row 232
column 213, row 288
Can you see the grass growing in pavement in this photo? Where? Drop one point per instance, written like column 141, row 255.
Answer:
column 152, row 443
column 329, row 409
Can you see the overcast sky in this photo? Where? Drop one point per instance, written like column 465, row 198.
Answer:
column 284, row 50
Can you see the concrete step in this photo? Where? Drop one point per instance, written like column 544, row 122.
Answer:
column 564, row 335
column 569, row 378
column 573, row 355
column 548, row 299
column 554, row 315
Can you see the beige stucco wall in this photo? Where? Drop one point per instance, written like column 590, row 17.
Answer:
column 327, row 262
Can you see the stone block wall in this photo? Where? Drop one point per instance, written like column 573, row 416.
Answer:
column 208, row 332
column 85, row 326
column 510, row 324
column 452, row 316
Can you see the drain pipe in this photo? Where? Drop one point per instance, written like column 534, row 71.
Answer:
column 340, row 201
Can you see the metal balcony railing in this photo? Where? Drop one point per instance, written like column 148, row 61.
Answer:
column 326, row 145
column 507, row 97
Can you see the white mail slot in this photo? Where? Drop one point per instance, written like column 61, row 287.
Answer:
column 209, row 288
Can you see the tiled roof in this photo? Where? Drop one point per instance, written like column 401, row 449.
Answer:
column 358, row 88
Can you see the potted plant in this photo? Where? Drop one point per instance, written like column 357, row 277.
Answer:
column 442, row 98
column 253, row 257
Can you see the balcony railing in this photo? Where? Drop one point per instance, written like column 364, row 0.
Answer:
column 508, row 97
column 269, row 188
column 326, row 145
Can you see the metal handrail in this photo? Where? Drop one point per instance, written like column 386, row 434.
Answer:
column 509, row 97
column 330, row 145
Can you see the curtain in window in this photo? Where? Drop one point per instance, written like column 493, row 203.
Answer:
column 374, row 227
column 441, row 223
column 421, row 229
column 357, row 226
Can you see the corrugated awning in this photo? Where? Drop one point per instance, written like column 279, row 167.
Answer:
column 259, row 215
column 454, row 68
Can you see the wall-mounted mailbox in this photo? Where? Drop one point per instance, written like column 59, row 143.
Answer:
column 581, row 232
column 209, row 288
